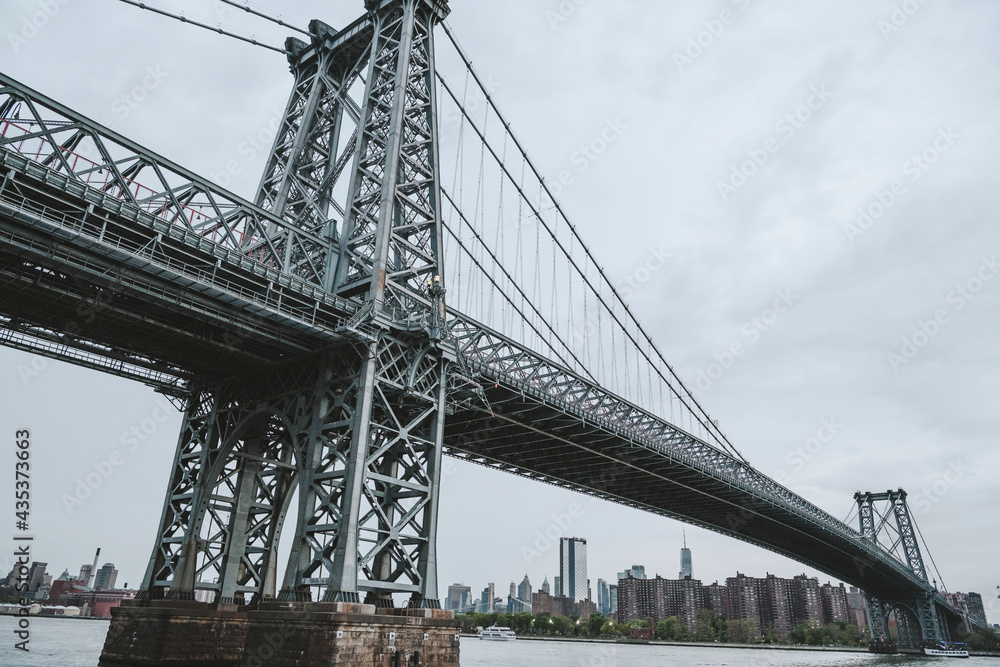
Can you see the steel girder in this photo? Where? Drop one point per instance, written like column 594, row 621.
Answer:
column 390, row 256
column 876, row 526
column 390, row 248
column 392, row 236
column 918, row 619
column 86, row 153
column 309, row 155
column 234, row 472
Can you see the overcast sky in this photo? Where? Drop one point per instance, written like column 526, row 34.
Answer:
column 870, row 209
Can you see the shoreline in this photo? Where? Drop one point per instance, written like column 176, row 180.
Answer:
column 657, row 642
column 757, row 647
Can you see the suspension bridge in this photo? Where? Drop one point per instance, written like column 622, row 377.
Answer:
column 384, row 299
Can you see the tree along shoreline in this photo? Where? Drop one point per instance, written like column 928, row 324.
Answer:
column 689, row 644
column 708, row 630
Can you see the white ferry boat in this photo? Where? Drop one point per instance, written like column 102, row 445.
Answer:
column 946, row 651
column 497, row 634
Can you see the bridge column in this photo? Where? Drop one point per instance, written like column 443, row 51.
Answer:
column 932, row 626
column 175, row 543
column 878, row 624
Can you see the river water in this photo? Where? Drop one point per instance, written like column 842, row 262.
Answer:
column 77, row 643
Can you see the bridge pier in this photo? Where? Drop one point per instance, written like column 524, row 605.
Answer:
column 277, row 634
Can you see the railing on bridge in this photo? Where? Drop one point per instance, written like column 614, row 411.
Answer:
column 70, row 144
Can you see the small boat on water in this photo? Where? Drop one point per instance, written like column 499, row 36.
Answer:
column 498, row 634
column 947, row 651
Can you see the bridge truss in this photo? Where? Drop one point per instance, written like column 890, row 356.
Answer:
column 308, row 335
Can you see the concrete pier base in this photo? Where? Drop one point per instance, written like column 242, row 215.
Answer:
column 278, row 634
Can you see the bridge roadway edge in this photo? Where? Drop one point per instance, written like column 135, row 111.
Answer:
column 277, row 634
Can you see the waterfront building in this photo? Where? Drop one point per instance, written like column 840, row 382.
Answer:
column 977, row 612
column 612, row 599
column 659, row 599
column 457, row 597
column 743, row 598
column 542, row 602
column 777, row 602
column 808, row 601
column 36, row 576
column 106, row 578
column 715, row 599
column 94, row 603
column 835, row 607
column 857, row 608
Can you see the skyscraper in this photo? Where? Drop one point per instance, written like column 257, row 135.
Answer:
column 613, row 598
column 487, row 598
column 106, row 577
column 603, row 597
column 573, row 567
column 36, row 576
column 524, row 593
column 977, row 612
column 558, row 587
column 457, row 594
column 636, row 571
column 545, row 586
column 685, row 560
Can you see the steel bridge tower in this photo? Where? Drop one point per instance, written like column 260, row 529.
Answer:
column 355, row 431
column 885, row 517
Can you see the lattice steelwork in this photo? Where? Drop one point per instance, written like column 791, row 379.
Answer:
column 309, row 336
column 366, row 439
column 885, row 521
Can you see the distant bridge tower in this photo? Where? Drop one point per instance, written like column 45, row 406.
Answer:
column 357, row 429
column 885, row 521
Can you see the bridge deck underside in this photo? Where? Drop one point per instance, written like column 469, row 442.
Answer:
column 542, row 442
column 102, row 281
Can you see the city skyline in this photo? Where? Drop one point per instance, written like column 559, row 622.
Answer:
column 824, row 360
column 740, row 596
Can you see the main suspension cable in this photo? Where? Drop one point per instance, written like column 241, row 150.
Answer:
column 245, row 6
column 703, row 418
column 202, row 23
